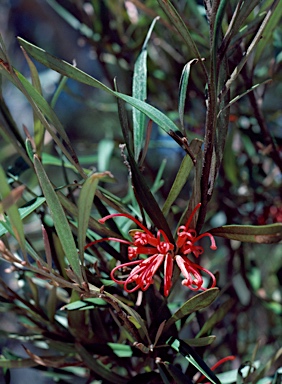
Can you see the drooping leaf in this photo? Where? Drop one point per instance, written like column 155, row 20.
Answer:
column 44, row 113
column 96, row 366
column 193, row 358
column 72, row 72
column 200, row 301
column 139, row 91
column 47, row 361
column 59, row 217
column 262, row 234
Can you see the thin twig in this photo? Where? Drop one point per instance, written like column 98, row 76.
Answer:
column 268, row 140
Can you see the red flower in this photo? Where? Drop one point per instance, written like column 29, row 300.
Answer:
column 161, row 250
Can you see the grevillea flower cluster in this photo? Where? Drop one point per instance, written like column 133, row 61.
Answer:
column 160, row 250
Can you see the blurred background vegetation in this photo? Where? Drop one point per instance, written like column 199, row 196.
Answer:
column 104, row 38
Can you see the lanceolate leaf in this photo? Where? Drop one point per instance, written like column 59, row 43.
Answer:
column 193, row 358
column 96, row 366
column 12, row 211
column 19, row 363
column 183, row 90
column 216, row 317
column 44, row 112
column 85, row 202
column 38, row 126
column 268, row 32
column 142, row 190
column 72, row 72
column 182, row 175
column 59, row 217
column 153, row 113
column 13, row 196
column 250, row 49
column 130, row 311
column 200, row 301
column 178, row 376
column 139, row 91
column 266, row 234
column 180, row 25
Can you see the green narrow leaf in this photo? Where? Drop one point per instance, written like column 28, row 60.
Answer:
column 129, row 310
column 200, row 301
column 217, row 30
column 142, row 190
column 153, row 113
column 104, row 152
column 139, row 91
column 238, row 97
column 177, row 375
column 249, row 50
column 51, row 304
column 230, row 161
column 70, row 71
column 71, row 20
column 42, row 109
column 201, row 341
column 39, row 104
column 217, row 316
column 193, row 358
column 100, row 229
column 19, row 363
column 158, row 182
column 182, row 175
column 13, row 196
column 85, row 202
column 268, row 32
column 262, row 234
column 99, row 368
column 180, row 26
column 39, row 129
column 121, row 350
column 58, row 91
column 59, row 217
column 183, row 84
column 12, row 212
column 166, row 378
